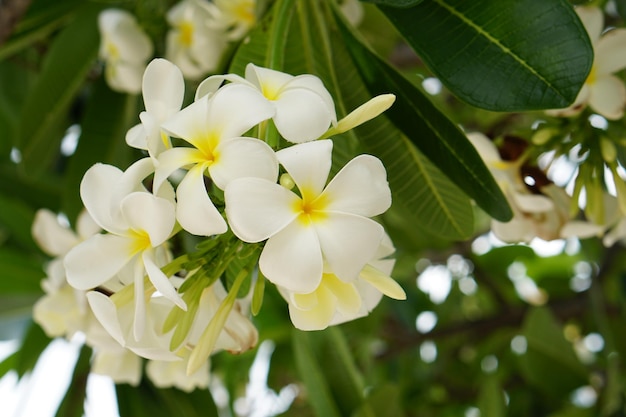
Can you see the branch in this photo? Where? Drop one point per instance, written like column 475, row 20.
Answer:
column 11, row 11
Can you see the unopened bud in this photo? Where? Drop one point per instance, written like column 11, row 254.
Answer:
column 607, row 147
column 286, row 181
column 542, row 136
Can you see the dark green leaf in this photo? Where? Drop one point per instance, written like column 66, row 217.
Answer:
column 67, row 62
column 107, row 117
column 311, row 374
column 19, row 273
column 17, row 218
column 429, row 130
column 504, row 55
column 33, row 344
column 73, row 404
column 549, row 362
column 395, row 3
column 491, row 401
column 148, row 401
column 15, row 80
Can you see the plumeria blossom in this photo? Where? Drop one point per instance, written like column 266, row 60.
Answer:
column 304, row 109
column 138, row 225
column 163, row 89
column 213, row 126
column 545, row 215
column 192, row 44
column 125, row 49
column 335, row 301
column 603, row 92
column 321, row 223
column 233, row 17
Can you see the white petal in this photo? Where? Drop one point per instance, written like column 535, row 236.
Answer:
column 235, row 108
column 105, row 311
column 365, row 112
column 360, row 187
column 581, row 229
column 382, row 282
column 485, row 148
column 348, row 298
column 160, row 280
column 576, row 107
column 173, row 159
column 212, row 83
column 532, row 203
column 593, row 20
column 96, row 191
column 152, row 215
column 85, row 226
column 96, row 260
column 308, row 164
column 54, row 239
column 124, row 77
column 608, row 97
column 163, row 88
column 131, row 181
column 292, row 259
column 348, row 242
column 195, row 211
column 243, row 157
column 257, row 209
column 610, row 52
column 136, row 137
column 516, row 230
column 302, row 115
column 139, row 317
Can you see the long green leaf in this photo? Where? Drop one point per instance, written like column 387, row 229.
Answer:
column 19, row 273
column 503, row 55
column 309, row 370
column 17, row 218
column 67, row 62
column 73, row 404
column 395, row 3
column 429, row 129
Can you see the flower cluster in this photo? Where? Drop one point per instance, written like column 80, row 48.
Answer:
column 199, row 33
column 257, row 213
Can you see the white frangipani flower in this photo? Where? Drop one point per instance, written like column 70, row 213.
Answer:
column 320, row 224
column 125, row 48
column 163, row 89
column 603, row 92
column 233, row 17
column 213, row 126
column 545, row 215
column 192, row 44
column 166, row 374
column 304, row 109
column 335, row 301
column 137, row 222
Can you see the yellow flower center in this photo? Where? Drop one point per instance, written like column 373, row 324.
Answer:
column 185, row 35
column 244, row 12
column 112, row 51
column 591, row 78
column 311, row 208
column 141, row 241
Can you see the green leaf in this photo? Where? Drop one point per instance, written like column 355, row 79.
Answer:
column 16, row 81
column 19, row 273
column 504, row 55
column 67, row 62
column 73, row 404
column 33, row 344
column 549, row 362
column 383, row 401
column 394, row 3
column 491, row 401
column 429, row 130
column 311, row 374
column 17, row 217
column 149, row 401
column 108, row 115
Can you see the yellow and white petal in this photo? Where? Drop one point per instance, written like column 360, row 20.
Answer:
column 173, row 159
column 243, row 157
column 195, row 211
column 96, row 260
column 292, row 258
column 308, row 164
column 267, row 80
column 576, row 107
column 317, row 318
column 365, row 112
column 211, row 84
column 348, row 298
column 149, row 217
column 360, row 187
column 533, row 203
column 257, row 209
column 348, row 242
column 122, row 366
column 191, row 123
column 608, row 97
